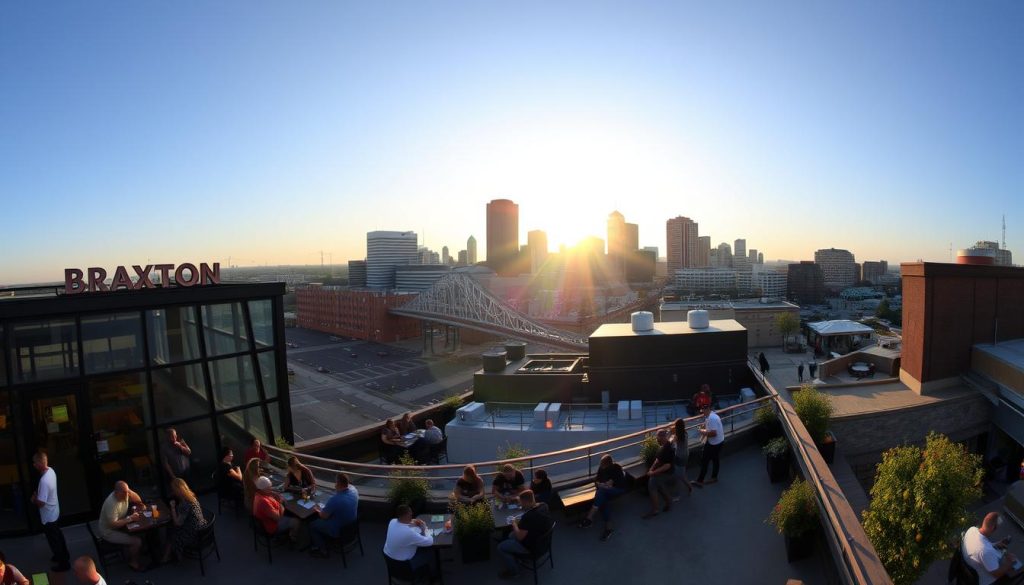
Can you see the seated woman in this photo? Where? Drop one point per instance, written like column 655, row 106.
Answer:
column 392, row 445
column 187, row 517
column 611, row 483
column 299, row 478
column 540, row 485
column 229, row 476
column 469, row 488
column 406, row 425
column 249, row 476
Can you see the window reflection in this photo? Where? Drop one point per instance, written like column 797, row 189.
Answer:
column 172, row 335
column 179, row 392
column 275, row 418
column 123, row 446
column 233, row 382
column 13, row 501
column 112, row 342
column 203, row 460
column 268, row 370
column 239, row 427
column 44, row 350
column 224, row 327
column 262, row 315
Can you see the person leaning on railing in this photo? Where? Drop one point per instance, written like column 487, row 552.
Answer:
column 469, row 488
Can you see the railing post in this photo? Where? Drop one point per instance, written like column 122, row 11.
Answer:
column 590, row 470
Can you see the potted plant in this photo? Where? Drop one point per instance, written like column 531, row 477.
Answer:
column 795, row 516
column 815, row 410
column 449, row 407
column 512, row 451
column 474, row 524
column 408, row 487
column 768, row 425
column 777, row 453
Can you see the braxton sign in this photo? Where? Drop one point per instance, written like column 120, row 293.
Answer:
column 95, row 279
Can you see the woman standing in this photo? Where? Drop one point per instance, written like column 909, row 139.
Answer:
column 681, row 444
column 187, row 517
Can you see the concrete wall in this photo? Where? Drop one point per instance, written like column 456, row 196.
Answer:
column 884, row 367
column 997, row 370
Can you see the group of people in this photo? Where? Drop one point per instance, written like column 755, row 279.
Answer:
column 393, row 441
column 506, row 487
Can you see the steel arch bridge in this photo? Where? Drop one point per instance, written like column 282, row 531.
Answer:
column 459, row 300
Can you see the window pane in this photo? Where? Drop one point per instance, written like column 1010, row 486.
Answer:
column 233, row 382
column 172, row 335
column 262, row 315
column 203, row 460
column 179, row 392
column 13, row 501
column 124, row 448
column 239, row 427
column 44, row 350
column 3, row 362
column 268, row 369
column 112, row 342
column 275, row 418
column 225, row 329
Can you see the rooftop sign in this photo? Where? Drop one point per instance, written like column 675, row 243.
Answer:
column 95, row 279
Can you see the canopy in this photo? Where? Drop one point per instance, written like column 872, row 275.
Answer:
column 839, row 327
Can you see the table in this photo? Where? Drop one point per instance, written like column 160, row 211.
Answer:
column 292, row 505
column 441, row 539
column 860, row 370
column 502, row 511
column 410, row 439
column 145, row 524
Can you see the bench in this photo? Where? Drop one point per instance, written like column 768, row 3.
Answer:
column 577, row 496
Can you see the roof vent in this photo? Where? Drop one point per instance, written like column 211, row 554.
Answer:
column 642, row 321
column 697, row 319
column 516, row 350
column 494, row 361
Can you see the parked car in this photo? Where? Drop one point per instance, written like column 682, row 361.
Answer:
column 382, row 353
column 322, row 370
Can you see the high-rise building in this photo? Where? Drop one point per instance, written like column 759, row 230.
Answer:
column 357, row 273
column 770, row 281
column 741, row 265
column 752, row 256
column 805, row 283
column 537, row 244
column 463, row 258
column 1001, row 257
column 681, row 245
column 446, row 258
column 384, row 251
column 838, row 267
column 642, row 267
column 623, row 242
column 652, row 249
column 418, row 278
column 703, row 251
column 740, row 247
column 760, row 257
column 471, row 251
column 632, row 238
column 721, row 257
column 502, row 236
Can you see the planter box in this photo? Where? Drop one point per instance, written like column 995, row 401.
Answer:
column 778, row 468
column 799, row 547
column 475, row 549
column 827, row 448
column 763, row 433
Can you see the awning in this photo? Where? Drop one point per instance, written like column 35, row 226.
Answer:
column 839, row 327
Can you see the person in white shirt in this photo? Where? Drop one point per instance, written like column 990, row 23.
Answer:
column 85, row 571
column 713, row 435
column 432, row 435
column 45, row 498
column 409, row 540
column 985, row 556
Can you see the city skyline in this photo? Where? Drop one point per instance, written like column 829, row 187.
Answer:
column 267, row 133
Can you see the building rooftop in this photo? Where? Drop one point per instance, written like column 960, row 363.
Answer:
column 666, row 328
column 738, row 304
column 1009, row 352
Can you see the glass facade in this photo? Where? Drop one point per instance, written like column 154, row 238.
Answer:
column 103, row 386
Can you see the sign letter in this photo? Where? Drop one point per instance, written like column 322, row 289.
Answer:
column 73, row 281
column 209, row 276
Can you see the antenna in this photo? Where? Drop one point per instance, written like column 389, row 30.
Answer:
column 1004, row 231
column 951, row 252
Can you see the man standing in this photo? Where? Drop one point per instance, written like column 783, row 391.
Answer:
column 409, row 540
column 526, row 534
column 812, row 368
column 85, row 570
column 661, row 476
column 45, row 498
column 800, row 372
column 340, row 511
column 713, row 435
column 176, row 453
column 984, row 556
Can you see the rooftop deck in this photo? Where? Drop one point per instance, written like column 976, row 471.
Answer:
column 717, row 535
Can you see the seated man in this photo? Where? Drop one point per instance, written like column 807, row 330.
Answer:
column 115, row 517
column 432, row 437
column 340, row 511
column 984, row 556
column 610, row 482
column 701, row 399
column 268, row 511
column 409, row 540
column 526, row 533
column 508, row 484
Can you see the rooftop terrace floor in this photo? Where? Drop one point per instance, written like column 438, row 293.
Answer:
column 717, row 535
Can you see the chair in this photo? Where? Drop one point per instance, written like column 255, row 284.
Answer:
column 204, row 544
column 232, row 498
column 439, row 450
column 401, row 573
column 535, row 559
column 960, row 571
column 106, row 551
column 347, row 540
column 261, row 537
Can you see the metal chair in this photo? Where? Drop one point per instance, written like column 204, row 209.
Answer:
column 538, row 557
column 261, row 537
column 106, row 551
column 204, row 544
column 401, row 573
column 438, row 451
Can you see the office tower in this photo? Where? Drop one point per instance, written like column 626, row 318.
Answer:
column 681, row 245
column 752, row 256
column 537, row 244
column 805, row 283
column 740, row 247
column 446, row 258
column 632, row 238
column 471, row 251
column 770, row 281
column 721, row 257
column 652, row 249
column 703, row 251
column 463, row 258
column 384, row 251
column 760, row 257
column 502, row 236
column 623, row 242
column 838, row 267
column 642, row 267
column 357, row 273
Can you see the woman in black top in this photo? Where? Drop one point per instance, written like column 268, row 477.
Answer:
column 540, row 485
column 469, row 488
column 299, row 477
column 229, row 476
column 611, row 483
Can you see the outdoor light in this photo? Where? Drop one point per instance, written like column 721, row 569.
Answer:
column 549, row 424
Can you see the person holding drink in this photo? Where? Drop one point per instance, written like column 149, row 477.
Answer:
column 116, row 515
column 187, row 517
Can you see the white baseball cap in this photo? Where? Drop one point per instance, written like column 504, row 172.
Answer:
column 263, row 483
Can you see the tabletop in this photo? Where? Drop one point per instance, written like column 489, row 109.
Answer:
column 150, row 522
column 410, row 439
column 502, row 512
column 435, row 523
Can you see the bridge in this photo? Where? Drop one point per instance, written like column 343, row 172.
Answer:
column 458, row 300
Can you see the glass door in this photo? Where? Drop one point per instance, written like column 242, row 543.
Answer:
column 54, row 426
column 13, row 501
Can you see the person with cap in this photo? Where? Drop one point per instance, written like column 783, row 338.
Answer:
column 269, row 512
column 661, row 478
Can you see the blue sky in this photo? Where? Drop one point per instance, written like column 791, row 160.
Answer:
column 267, row 131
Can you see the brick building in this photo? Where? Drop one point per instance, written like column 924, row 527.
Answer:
column 362, row 314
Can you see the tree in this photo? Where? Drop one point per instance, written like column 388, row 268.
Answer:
column 919, row 504
column 787, row 323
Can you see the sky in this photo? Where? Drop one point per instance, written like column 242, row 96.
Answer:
column 136, row 132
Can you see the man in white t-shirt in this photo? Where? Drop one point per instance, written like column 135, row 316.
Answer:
column 409, row 540
column 713, row 436
column 45, row 498
column 986, row 557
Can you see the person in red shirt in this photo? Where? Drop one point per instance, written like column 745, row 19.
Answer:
column 256, row 451
column 268, row 511
column 700, row 401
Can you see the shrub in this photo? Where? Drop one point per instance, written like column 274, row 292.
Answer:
column 796, row 512
column 649, row 450
column 283, row 444
column 407, row 486
column 765, row 416
column 814, row 409
column 777, row 447
column 513, row 451
column 472, row 520
column 450, row 405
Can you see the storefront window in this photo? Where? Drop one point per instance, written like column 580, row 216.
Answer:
column 203, row 460
column 233, row 382
column 124, row 448
column 179, row 392
column 262, row 315
column 268, row 369
column 224, row 329
column 112, row 342
column 237, row 428
column 44, row 350
column 172, row 335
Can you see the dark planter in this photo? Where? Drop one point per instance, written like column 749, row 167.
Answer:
column 475, row 549
column 778, row 468
column 827, row 448
column 765, row 433
column 799, row 547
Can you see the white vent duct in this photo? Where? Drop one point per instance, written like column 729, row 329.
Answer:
column 697, row 319
column 642, row 321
